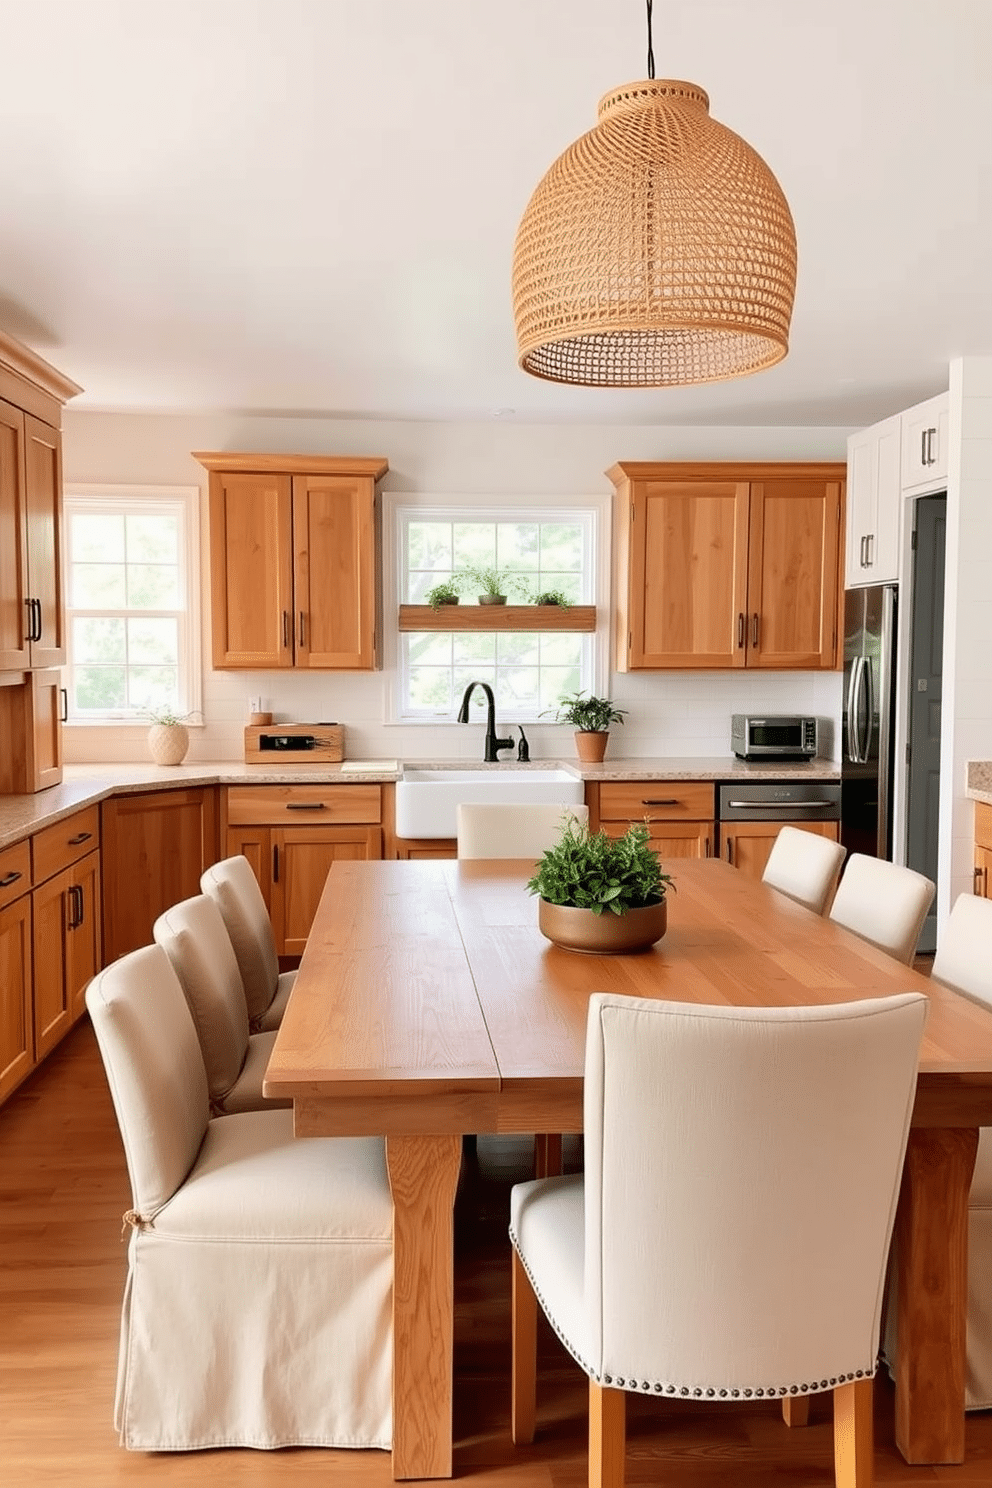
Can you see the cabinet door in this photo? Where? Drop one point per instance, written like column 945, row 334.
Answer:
column 14, row 612
column 255, row 844
column 335, row 571
column 793, row 574
column 748, row 845
column 874, row 505
column 301, row 861
column 251, row 570
column 924, row 444
column 53, row 1004
column 45, row 755
column 674, row 839
column 16, row 1030
column 686, row 575
column 156, row 845
column 84, row 931
column 43, row 487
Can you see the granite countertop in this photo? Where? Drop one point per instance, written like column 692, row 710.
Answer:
column 979, row 786
column 85, row 785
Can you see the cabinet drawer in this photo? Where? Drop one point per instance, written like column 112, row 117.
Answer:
column 280, row 805
column 983, row 825
column 658, row 800
column 56, row 847
column 15, row 872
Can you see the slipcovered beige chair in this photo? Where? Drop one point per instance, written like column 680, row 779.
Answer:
column 258, row 1305
column 512, row 830
column 884, row 903
column 234, row 889
column 194, row 938
column 964, row 962
column 805, row 866
column 722, row 1244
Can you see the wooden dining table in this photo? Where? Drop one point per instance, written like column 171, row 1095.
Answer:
column 428, row 1005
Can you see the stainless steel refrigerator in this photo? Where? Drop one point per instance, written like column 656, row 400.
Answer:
column 869, row 698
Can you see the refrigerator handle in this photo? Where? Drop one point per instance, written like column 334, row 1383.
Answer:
column 886, row 678
column 869, row 709
column 852, row 737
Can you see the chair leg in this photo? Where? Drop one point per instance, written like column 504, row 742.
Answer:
column 547, row 1155
column 795, row 1410
column 854, row 1439
column 523, row 1355
column 607, row 1436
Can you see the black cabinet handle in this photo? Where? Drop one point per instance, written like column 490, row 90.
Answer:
column 305, row 806
column 10, row 878
column 740, row 630
column 64, row 695
column 80, row 837
column 76, row 913
column 29, row 606
column 302, row 629
column 275, row 864
column 662, row 801
column 285, row 630
column 754, row 629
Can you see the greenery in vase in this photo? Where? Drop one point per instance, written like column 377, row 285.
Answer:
column 590, row 715
column 168, row 715
column 489, row 580
column 588, row 870
column 446, row 592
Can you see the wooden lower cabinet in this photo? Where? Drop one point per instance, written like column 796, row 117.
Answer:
column 156, row 844
column 748, row 845
column 291, row 835
column 425, row 847
column 67, row 943
column 680, row 815
column 16, row 1022
column 983, row 850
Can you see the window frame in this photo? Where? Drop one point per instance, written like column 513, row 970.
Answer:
column 143, row 499
column 402, row 506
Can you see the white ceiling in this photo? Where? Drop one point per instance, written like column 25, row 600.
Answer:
column 309, row 206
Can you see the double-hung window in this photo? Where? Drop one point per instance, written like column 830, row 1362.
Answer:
column 132, row 588
column 540, row 549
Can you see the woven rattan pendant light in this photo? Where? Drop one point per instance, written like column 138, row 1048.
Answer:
column 658, row 250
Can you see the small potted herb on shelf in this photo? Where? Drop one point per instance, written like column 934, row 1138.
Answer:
column 553, row 597
column 601, row 894
column 494, row 585
column 168, row 736
column 590, row 717
column 445, row 593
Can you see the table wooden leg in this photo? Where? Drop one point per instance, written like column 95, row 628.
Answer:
column 932, row 1255
column 423, row 1175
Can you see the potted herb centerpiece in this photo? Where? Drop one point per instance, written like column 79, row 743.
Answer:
column 591, row 718
column 599, row 894
column 493, row 585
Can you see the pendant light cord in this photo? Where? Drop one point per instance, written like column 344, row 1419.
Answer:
column 650, row 4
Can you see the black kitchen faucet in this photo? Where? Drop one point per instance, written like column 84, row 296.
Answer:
column 493, row 745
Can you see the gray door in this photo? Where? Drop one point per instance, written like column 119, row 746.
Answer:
column 926, row 648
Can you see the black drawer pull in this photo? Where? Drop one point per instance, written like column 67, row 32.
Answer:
column 674, row 801
column 80, row 837
column 13, row 877
column 305, row 806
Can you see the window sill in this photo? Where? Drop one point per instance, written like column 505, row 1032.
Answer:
column 476, row 617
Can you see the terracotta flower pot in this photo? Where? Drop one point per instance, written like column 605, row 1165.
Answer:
column 602, row 935
column 590, row 745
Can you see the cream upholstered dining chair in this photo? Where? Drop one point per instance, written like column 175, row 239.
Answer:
column 884, row 903
column 964, row 962
column 258, row 1305
column 805, row 866
column 511, row 829
column 193, row 935
column 233, row 887
column 747, row 1261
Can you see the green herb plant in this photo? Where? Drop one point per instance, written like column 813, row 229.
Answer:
column 590, row 715
column 592, row 871
column 446, row 592
column 168, row 715
column 553, row 597
column 490, row 580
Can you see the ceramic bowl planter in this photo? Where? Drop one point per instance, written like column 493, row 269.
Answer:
column 168, row 743
column 603, row 934
column 492, row 599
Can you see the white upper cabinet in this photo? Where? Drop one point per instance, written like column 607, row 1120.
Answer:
column 924, row 444
column 874, row 503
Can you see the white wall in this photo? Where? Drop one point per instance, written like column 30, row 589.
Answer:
column 671, row 713
column 966, row 719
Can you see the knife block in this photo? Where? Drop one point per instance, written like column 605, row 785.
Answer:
column 328, row 751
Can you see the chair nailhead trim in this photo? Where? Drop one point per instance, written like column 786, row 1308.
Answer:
column 663, row 1388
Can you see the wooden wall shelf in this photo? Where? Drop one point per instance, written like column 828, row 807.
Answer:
column 497, row 617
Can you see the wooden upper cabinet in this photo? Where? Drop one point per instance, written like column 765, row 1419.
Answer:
column 32, row 624
column 293, row 561
column 726, row 566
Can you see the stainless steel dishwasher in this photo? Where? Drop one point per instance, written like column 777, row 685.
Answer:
column 750, row 815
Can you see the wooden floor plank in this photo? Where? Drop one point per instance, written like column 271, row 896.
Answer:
column 63, row 1188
